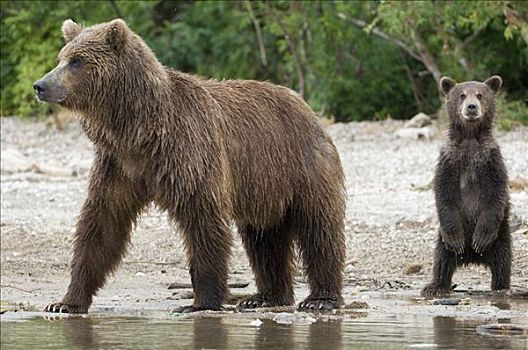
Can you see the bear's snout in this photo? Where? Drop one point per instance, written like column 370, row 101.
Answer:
column 49, row 89
column 471, row 111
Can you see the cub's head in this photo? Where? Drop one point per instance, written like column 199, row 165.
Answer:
column 470, row 102
column 90, row 65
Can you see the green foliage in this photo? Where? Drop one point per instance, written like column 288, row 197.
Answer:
column 512, row 113
column 31, row 39
column 25, row 60
column 352, row 60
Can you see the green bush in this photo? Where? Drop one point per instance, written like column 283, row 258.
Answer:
column 352, row 60
column 512, row 113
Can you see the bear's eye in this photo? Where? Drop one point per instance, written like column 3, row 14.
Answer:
column 462, row 95
column 479, row 96
column 75, row 62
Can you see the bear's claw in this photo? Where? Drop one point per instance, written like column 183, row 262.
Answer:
column 63, row 308
column 432, row 290
column 256, row 301
column 192, row 308
column 481, row 243
column 455, row 245
column 319, row 305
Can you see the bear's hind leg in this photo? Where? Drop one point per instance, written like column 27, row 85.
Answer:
column 270, row 255
column 322, row 247
column 445, row 263
column 499, row 260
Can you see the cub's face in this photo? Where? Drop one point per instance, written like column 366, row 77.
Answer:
column 86, row 64
column 470, row 102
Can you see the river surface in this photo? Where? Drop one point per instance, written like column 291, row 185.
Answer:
column 161, row 330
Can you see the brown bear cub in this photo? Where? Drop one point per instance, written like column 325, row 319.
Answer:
column 208, row 152
column 471, row 189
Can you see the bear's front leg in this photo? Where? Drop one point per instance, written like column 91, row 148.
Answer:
column 447, row 194
column 487, row 229
column 451, row 229
column 454, row 241
column 493, row 185
column 111, row 208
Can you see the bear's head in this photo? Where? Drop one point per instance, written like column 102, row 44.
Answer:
column 95, row 66
column 472, row 102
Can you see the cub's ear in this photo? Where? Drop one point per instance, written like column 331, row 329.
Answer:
column 446, row 84
column 70, row 30
column 494, row 83
column 117, row 33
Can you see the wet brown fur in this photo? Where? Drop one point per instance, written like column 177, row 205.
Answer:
column 471, row 191
column 209, row 153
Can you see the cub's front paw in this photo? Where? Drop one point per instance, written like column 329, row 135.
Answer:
column 482, row 243
column 454, row 244
column 433, row 290
column 65, row 308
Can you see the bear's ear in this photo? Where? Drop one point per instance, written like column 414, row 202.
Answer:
column 446, row 84
column 117, row 33
column 494, row 83
column 70, row 30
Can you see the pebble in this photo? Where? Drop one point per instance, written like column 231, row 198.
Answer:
column 412, row 269
column 357, row 305
column 284, row 318
column 451, row 301
column 256, row 323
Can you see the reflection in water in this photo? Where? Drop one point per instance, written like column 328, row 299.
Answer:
column 501, row 304
column 209, row 333
column 79, row 332
column 271, row 335
column 229, row 332
column 461, row 334
column 326, row 335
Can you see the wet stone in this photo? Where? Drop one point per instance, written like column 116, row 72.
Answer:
column 357, row 305
column 451, row 301
column 502, row 329
column 182, row 294
column 179, row 285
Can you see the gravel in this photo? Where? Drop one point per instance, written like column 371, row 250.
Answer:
column 391, row 222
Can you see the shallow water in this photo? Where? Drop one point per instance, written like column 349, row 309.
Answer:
column 26, row 330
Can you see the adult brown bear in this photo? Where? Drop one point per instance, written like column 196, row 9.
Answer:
column 209, row 153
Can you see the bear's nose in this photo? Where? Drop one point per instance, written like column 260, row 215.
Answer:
column 472, row 107
column 39, row 86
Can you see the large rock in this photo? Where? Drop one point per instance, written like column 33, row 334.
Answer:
column 418, row 121
column 425, row 133
column 12, row 161
column 52, row 170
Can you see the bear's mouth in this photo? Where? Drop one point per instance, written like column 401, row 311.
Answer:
column 50, row 98
column 471, row 116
